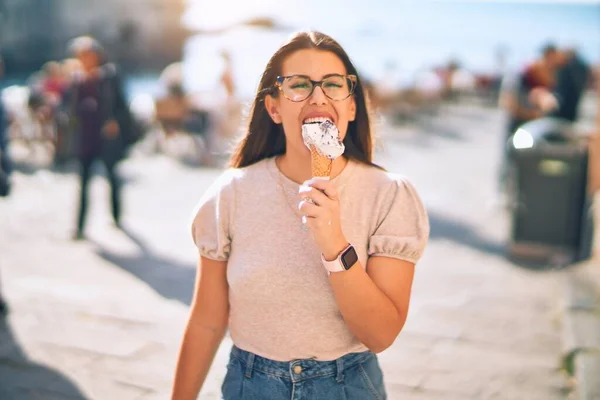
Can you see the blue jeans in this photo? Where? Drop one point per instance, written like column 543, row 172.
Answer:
column 355, row 376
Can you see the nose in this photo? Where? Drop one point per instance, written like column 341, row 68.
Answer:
column 318, row 96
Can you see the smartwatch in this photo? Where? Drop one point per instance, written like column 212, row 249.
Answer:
column 343, row 262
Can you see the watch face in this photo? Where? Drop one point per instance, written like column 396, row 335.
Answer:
column 349, row 258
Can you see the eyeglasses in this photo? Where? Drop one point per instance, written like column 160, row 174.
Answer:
column 300, row 87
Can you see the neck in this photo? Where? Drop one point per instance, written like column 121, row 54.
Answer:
column 297, row 167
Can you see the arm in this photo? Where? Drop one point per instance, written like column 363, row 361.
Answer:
column 205, row 329
column 509, row 102
column 509, row 90
column 373, row 302
column 120, row 121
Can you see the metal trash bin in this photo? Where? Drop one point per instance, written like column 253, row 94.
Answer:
column 551, row 213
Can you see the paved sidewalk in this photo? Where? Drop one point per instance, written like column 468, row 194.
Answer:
column 103, row 319
column 581, row 321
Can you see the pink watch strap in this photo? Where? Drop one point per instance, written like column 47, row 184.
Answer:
column 335, row 265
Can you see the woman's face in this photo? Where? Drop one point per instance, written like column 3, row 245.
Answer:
column 315, row 64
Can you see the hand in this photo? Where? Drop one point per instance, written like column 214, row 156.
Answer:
column 321, row 206
column 543, row 99
column 111, row 129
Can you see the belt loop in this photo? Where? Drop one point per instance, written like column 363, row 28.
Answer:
column 249, row 365
column 340, row 370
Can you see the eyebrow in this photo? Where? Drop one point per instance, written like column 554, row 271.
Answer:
column 324, row 76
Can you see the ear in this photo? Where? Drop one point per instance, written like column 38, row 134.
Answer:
column 352, row 109
column 272, row 106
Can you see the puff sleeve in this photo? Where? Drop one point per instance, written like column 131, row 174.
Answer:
column 403, row 226
column 212, row 222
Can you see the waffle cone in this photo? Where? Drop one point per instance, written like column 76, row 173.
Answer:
column 320, row 164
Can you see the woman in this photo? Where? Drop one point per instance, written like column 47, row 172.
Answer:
column 301, row 331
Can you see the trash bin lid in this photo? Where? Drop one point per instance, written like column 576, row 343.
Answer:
column 545, row 132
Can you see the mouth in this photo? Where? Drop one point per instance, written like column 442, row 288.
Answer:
column 316, row 120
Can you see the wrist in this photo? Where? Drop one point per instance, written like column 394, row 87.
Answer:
column 333, row 251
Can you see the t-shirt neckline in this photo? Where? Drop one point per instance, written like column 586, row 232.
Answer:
column 287, row 183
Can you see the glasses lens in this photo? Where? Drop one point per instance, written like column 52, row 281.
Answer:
column 337, row 87
column 297, row 88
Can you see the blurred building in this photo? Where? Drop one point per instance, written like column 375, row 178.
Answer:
column 139, row 34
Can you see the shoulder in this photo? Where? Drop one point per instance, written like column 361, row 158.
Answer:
column 379, row 180
column 257, row 170
column 233, row 179
column 225, row 183
column 384, row 190
column 109, row 70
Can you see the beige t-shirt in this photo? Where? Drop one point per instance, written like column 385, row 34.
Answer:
column 281, row 304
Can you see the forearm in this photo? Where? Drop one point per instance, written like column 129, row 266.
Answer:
column 524, row 113
column 369, row 314
column 199, row 346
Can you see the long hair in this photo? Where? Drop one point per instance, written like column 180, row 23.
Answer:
column 264, row 138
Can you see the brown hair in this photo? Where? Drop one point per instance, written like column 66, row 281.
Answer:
column 264, row 138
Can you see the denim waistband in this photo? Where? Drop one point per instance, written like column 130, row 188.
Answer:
column 298, row 370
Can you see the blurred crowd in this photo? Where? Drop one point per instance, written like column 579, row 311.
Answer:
column 71, row 119
column 425, row 91
column 43, row 113
column 76, row 112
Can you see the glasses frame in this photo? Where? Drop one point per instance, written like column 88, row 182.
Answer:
column 352, row 78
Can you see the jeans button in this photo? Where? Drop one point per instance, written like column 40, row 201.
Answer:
column 297, row 370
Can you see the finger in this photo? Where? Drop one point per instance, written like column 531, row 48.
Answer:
column 326, row 187
column 309, row 209
column 316, row 196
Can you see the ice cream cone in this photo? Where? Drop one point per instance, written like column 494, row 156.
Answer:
column 320, row 164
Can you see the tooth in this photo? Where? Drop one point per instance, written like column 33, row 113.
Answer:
column 316, row 120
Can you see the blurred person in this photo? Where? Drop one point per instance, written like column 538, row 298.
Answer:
column 45, row 98
column 3, row 305
column 232, row 111
column 54, row 83
column 573, row 76
column 572, row 79
column 99, row 113
column 519, row 97
column 4, row 171
column 446, row 74
column 5, row 164
column 387, row 89
column 227, row 74
column 226, row 117
column 516, row 88
column 172, row 109
column 177, row 112
column 364, row 231
column 64, row 141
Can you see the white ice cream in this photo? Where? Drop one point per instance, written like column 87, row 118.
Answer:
column 325, row 137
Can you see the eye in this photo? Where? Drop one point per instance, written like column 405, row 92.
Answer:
column 335, row 82
column 300, row 85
